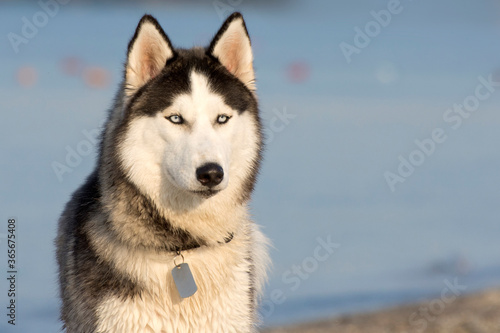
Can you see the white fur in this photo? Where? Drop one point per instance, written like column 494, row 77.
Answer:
column 221, row 303
column 161, row 158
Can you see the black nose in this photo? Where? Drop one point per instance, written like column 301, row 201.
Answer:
column 210, row 174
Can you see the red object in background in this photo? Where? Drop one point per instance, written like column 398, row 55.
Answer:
column 96, row 77
column 71, row 66
column 298, row 71
column 27, row 76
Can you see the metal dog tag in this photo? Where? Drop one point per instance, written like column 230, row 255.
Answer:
column 184, row 280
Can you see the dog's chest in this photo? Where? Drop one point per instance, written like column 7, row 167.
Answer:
column 222, row 302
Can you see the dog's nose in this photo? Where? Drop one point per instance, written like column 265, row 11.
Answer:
column 210, row 174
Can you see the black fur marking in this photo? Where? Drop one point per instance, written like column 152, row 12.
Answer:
column 174, row 80
column 143, row 210
column 228, row 238
column 234, row 92
column 85, row 278
column 251, row 290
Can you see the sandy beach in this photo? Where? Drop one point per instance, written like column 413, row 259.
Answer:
column 473, row 313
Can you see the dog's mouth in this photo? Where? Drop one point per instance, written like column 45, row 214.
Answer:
column 206, row 193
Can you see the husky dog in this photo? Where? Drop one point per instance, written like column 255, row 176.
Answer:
column 177, row 165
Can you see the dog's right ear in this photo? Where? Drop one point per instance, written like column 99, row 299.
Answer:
column 148, row 52
column 231, row 46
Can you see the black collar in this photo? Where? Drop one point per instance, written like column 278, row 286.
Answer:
column 197, row 245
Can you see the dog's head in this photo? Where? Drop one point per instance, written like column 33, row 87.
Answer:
column 189, row 122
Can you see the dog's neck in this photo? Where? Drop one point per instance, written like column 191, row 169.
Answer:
column 135, row 222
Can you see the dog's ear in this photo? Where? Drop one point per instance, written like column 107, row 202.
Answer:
column 231, row 46
column 148, row 52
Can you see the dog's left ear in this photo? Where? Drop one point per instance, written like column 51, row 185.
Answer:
column 231, row 46
column 148, row 52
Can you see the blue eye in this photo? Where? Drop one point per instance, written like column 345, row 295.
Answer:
column 222, row 119
column 176, row 119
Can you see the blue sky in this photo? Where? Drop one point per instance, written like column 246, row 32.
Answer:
column 323, row 172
